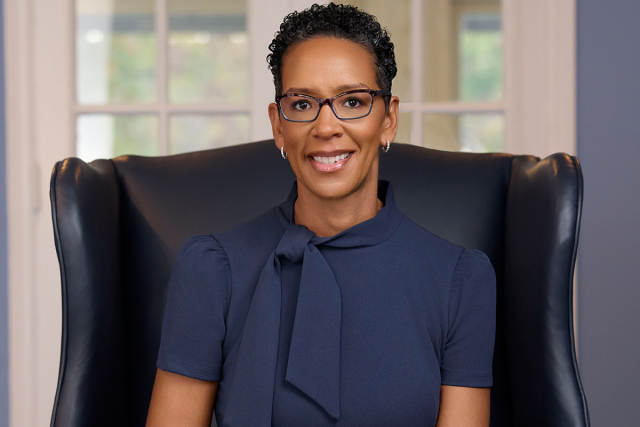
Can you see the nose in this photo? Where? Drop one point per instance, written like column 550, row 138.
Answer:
column 327, row 124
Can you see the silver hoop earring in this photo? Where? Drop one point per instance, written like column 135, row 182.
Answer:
column 282, row 153
column 387, row 147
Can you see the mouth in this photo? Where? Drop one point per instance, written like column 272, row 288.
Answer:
column 330, row 163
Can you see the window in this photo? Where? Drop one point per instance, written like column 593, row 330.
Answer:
column 160, row 77
column 157, row 77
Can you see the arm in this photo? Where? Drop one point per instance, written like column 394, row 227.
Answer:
column 193, row 330
column 179, row 400
column 463, row 406
column 466, row 365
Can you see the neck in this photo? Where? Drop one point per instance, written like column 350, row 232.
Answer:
column 328, row 217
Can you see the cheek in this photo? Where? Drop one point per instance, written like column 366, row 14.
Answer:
column 294, row 137
column 369, row 131
column 366, row 136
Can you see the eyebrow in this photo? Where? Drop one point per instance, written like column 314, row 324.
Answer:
column 339, row 89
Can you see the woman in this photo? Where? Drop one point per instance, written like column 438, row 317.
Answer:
column 333, row 308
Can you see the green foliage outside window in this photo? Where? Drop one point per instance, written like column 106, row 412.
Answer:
column 481, row 66
column 132, row 68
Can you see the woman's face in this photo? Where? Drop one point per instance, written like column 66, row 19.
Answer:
column 324, row 67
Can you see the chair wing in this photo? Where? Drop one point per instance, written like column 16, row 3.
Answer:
column 86, row 221
column 542, row 226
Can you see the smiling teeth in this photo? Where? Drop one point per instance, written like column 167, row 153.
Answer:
column 331, row 160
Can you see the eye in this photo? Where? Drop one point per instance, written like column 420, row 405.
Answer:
column 352, row 102
column 301, row 105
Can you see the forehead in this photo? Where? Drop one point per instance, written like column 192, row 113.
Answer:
column 323, row 64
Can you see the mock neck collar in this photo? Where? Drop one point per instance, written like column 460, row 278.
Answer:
column 367, row 233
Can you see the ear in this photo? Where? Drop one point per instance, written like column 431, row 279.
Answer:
column 390, row 124
column 276, row 125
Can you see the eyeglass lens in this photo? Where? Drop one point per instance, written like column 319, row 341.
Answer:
column 347, row 106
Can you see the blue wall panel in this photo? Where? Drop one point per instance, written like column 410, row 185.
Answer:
column 609, row 264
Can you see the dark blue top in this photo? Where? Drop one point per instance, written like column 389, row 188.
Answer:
column 360, row 328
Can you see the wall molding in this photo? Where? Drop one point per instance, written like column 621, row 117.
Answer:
column 19, row 236
column 38, row 43
column 540, row 76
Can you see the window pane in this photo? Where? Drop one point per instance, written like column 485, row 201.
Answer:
column 480, row 54
column 208, row 51
column 192, row 132
column 103, row 136
column 115, row 51
column 395, row 16
column 466, row 132
column 462, row 50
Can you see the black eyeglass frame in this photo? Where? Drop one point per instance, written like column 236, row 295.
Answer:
column 329, row 101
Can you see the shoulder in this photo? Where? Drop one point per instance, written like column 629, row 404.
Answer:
column 200, row 257
column 474, row 262
column 453, row 260
column 257, row 235
column 218, row 253
column 474, row 280
column 420, row 241
column 198, row 245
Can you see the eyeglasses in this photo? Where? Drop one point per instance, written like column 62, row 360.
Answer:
column 351, row 105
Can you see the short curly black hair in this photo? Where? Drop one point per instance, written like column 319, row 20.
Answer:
column 342, row 22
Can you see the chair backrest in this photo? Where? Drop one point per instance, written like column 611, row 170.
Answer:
column 119, row 223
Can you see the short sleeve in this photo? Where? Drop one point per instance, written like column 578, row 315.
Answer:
column 193, row 327
column 468, row 351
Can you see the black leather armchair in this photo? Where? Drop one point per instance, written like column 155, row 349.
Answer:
column 119, row 223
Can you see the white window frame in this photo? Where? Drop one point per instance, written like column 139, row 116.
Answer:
column 539, row 107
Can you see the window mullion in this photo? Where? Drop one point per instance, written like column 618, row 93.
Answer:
column 417, row 70
column 162, row 65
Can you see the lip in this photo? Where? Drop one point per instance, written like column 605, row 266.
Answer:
column 328, row 153
column 337, row 166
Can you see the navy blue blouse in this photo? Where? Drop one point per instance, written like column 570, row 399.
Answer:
column 360, row 328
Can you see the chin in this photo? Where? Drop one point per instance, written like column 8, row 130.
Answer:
column 332, row 188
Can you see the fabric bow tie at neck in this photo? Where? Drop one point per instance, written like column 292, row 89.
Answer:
column 314, row 355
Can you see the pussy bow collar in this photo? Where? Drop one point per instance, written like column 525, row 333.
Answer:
column 314, row 355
